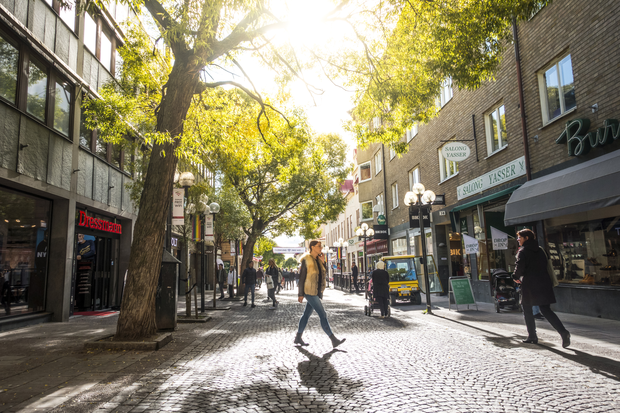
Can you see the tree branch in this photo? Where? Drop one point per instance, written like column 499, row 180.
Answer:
column 167, row 23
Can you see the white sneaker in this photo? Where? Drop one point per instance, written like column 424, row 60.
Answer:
column 272, row 308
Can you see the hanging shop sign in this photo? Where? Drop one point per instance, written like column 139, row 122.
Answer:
column 99, row 224
column 455, row 151
column 381, row 232
column 209, row 228
column 500, row 239
column 232, row 248
column 471, row 244
column 178, row 215
column 414, row 217
column 381, row 219
column 579, row 141
column 493, row 178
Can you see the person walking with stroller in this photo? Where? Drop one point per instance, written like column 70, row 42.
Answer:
column 272, row 272
column 381, row 287
column 536, row 286
column 249, row 279
column 312, row 275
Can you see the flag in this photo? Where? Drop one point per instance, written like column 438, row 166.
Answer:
column 500, row 239
column 471, row 244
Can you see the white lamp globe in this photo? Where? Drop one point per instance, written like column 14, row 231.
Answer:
column 359, row 232
column 186, row 179
column 214, row 207
column 428, row 197
column 370, row 232
column 364, row 226
column 190, row 208
column 410, row 198
column 340, row 240
column 418, row 189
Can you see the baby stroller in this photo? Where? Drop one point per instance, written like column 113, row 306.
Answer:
column 505, row 291
column 373, row 304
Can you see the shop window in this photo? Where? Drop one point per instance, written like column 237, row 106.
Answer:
column 90, row 33
column 366, row 208
column 414, row 177
column 394, row 195
column 377, row 162
column 495, row 124
column 447, row 168
column 24, row 235
column 9, row 63
column 62, row 107
column 365, row 174
column 399, row 246
column 411, row 133
column 557, row 89
column 37, row 90
column 585, row 253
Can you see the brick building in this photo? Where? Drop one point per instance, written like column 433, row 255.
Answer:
column 568, row 71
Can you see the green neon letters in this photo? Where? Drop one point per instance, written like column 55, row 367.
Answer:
column 579, row 142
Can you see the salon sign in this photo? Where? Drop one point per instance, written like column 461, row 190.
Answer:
column 497, row 176
column 99, row 224
column 455, row 151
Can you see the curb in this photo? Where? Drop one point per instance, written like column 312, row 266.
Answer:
column 105, row 343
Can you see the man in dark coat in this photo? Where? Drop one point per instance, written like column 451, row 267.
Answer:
column 221, row 279
column 249, row 279
column 536, row 286
column 354, row 275
column 381, row 287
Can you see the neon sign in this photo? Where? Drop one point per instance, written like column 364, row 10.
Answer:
column 579, row 140
column 99, row 224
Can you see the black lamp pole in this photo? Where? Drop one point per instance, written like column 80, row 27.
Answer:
column 202, row 265
column 421, row 209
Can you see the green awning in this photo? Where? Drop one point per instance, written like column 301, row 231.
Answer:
column 487, row 198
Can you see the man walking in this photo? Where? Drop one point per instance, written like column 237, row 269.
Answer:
column 231, row 283
column 221, row 279
column 354, row 275
column 249, row 279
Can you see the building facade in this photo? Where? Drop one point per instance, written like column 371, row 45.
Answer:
column 548, row 163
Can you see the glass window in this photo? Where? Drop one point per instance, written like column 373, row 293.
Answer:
column 399, row 246
column 365, row 172
column 496, row 129
column 67, row 14
column 379, row 202
column 118, row 64
column 62, row 107
column 24, row 235
column 105, row 51
column 122, row 12
column 394, row 195
column 447, row 168
column 558, row 89
column 414, row 177
column 85, row 133
column 37, row 90
column 445, row 92
column 377, row 162
column 90, row 33
column 411, row 133
column 117, row 152
column 101, row 148
column 9, row 60
column 366, row 210
column 392, row 153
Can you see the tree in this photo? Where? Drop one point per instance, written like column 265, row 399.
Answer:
column 427, row 43
column 291, row 263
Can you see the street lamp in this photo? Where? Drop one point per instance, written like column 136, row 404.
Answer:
column 201, row 209
column 186, row 180
column 365, row 233
column 325, row 252
column 214, row 208
column 421, row 200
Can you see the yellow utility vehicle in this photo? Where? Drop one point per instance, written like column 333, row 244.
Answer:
column 407, row 277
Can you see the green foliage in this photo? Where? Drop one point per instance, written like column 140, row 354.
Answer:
column 291, row 263
column 432, row 40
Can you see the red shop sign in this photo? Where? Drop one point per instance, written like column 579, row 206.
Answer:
column 99, row 224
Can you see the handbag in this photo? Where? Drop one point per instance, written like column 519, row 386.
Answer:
column 269, row 282
column 550, row 270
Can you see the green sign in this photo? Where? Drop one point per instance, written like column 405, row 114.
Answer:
column 579, row 140
column 461, row 288
column 381, row 220
column 464, row 225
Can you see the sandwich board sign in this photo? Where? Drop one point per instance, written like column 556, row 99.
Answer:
column 460, row 289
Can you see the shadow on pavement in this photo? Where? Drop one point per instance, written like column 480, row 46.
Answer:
column 318, row 373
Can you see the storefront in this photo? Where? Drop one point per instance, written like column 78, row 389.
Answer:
column 24, row 234
column 375, row 249
column 97, row 283
column 576, row 214
column 399, row 246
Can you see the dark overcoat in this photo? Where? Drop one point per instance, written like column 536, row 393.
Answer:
column 380, row 283
column 531, row 270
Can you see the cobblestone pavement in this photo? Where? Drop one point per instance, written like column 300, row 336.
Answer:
column 244, row 361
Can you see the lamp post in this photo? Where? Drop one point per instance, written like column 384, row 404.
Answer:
column 420, row 200
column 214, row 208
column 340, row 244
column 186, row 180
column 325, row 252
column 365, row 233
column 169, row 220
column 201, row 208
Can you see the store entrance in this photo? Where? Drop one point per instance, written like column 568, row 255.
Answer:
column 96, row 280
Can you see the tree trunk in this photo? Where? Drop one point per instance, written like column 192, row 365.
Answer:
column 137, row 317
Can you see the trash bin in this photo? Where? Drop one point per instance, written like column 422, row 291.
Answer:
column 166, row 299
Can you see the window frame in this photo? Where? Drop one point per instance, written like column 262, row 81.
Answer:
column 18, row 74
column 410, row 132
column 362, row 219
column 53, row 79
column 395, row 202
column 488, row 126
column 103, row 29
column 378, row 162
column 410, row 177
column 542, row 87
column 360, row 168
column 445, row 89
column 392, row 153
column 443, row 172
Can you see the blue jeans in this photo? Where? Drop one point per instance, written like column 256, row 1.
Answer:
column 248, row 288
column 313, row 302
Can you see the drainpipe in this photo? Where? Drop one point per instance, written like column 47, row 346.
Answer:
column 526, row 150
column 385, row 214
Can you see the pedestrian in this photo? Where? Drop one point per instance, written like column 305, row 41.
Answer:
column 249, row 279
column 259, row 277
column 381, row 287
column 221, row 279
column 231, row 283
column 312, row 275
column 536, row 312
column 536, row 286
column 354, row 273
column 272, row 273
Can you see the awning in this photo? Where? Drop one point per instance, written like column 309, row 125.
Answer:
column 454, row 216
column 580, row 188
